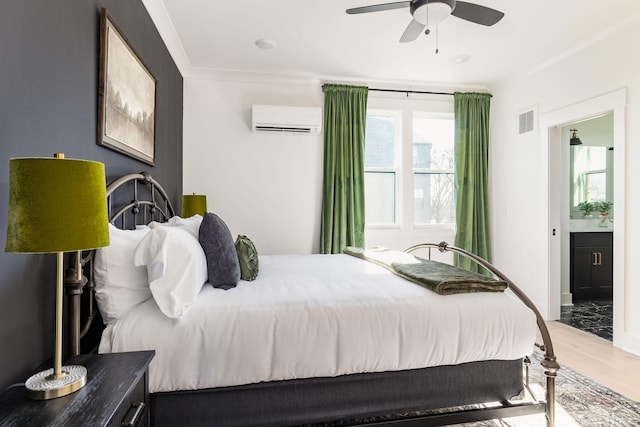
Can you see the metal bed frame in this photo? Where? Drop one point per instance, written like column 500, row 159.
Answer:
column 549, row 363
column 157, row 207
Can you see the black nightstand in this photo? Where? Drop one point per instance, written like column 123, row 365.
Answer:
column 116, row 394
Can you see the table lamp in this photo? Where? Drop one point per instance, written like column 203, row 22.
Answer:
column 56, row 205
column 193, row 204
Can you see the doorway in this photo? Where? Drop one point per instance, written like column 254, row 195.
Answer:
column 551, row 127
column 587, row 237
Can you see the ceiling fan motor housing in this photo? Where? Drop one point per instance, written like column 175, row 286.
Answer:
column 431, row 12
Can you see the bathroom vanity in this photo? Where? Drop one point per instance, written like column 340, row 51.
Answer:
column 591, row 272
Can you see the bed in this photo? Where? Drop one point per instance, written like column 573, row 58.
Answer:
column 313, row 340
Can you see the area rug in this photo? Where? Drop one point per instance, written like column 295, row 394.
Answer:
column 580, row 402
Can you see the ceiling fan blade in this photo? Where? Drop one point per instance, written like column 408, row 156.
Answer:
column 475, row 13
column 378, row 7
column 414, row 29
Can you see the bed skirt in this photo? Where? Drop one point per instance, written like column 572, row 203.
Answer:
column 357, row 396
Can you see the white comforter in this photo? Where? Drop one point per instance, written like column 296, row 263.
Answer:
column 317, row 316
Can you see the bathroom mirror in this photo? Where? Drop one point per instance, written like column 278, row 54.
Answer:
column 591, row 163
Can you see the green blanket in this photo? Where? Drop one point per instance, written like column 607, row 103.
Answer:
column 442, row 278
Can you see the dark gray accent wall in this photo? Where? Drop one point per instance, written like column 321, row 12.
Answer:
column 48, row 103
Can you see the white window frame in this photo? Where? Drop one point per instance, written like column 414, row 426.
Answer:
column 404, row 233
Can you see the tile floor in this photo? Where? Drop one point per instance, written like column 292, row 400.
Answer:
column 595, row 317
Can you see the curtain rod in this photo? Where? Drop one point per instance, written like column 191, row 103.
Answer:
column 423, row 92
column 418, row 91
column 411, row 91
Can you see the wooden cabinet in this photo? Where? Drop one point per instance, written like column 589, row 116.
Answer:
column 592, row 265
column 116, row 394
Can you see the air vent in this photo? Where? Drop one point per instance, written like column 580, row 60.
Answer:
column 282, row 129
column 527, row 121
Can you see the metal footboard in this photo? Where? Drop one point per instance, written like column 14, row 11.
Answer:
column 549, row 362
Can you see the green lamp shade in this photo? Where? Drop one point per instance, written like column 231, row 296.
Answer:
column 56, row 205
column 193, row 204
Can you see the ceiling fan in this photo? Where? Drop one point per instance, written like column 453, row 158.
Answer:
column 427, row 13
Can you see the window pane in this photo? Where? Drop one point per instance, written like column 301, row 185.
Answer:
column 433, row 143
column 380, row 194
column 433, row 198
column 433, row 163
column 597, row 186
column 379, row 146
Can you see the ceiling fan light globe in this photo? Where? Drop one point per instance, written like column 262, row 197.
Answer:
column 432, row 12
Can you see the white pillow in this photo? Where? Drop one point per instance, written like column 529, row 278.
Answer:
column 176, row 267
column 120, row 285
column 191, row 224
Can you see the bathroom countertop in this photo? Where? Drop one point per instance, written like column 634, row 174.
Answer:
column 588, row 226
column 591, row 230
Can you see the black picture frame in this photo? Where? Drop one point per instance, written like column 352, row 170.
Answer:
column 126, row 96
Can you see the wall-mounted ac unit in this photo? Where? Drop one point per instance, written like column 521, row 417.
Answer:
column 284, row 119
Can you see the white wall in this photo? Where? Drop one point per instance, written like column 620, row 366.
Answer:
column 267, row 187
column 519, row 168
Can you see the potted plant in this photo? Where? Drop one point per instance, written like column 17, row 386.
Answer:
column 586, row 208
column 604, row 208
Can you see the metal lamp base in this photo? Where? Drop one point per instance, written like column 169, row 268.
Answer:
column 45, row 385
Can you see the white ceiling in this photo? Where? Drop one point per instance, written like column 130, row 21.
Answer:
column 317, row 39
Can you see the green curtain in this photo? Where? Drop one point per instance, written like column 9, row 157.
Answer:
column 471, row 177
column 345, row 115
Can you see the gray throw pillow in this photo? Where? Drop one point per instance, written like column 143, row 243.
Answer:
column 223, row 267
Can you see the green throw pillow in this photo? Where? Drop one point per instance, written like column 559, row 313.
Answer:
column 248, row 258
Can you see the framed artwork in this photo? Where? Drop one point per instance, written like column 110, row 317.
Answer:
column 126, row 96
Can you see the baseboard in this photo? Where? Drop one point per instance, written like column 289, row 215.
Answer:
column 627, row 342
column 567, row 299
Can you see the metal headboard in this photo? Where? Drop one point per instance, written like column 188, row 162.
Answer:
column 156, row 207
column 132, row 200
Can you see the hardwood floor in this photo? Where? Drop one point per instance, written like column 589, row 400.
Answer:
column 596, row 358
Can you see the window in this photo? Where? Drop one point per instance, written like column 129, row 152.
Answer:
column 433, row 162
column 381, row 167
column 590, row 178
column 423, row 175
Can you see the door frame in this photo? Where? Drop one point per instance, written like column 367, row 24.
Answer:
column 550, row 134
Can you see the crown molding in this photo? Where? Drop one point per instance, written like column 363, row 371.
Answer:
column 160, row 17
column 245, row 76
